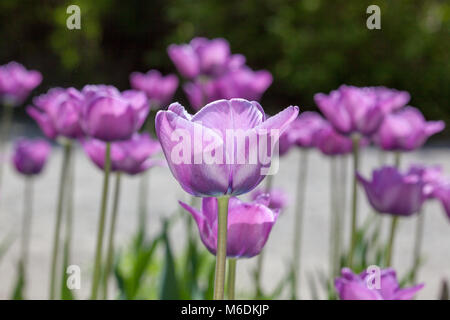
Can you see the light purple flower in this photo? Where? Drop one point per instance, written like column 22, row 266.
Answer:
column 249, row 225
column 389, row 100
column 393, row 192
column 203, row 150
column 201, row 92
column 16, row 82
column 110, row 115
column 431, row 176
column 58, row 113
column 443, row 194
column 332, row 143
column 30, row 155
column 351, row 286
column 351, row 110
column 131, row 156
column 278, row 198
column 406, row 130
column 158, row 88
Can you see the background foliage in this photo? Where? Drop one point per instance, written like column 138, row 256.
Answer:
column 310, row 46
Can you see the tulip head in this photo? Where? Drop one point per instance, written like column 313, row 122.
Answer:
column 278, row 198
column 110, row 115
column 158, row 88
column 224, row 149
column 58, row 113
column 30, row 155
column 16, row 83
column 364, row 286
column 406, row 130
column 249, row 225
column 131, row 156
column 393, row 192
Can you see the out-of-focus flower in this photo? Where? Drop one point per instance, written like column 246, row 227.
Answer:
column 249, row 225
column 16, row 83
column 406, row 130
column 443, row 194
column 351, row 110
column 278, row 198
column 131, row 156
column 58, row 113
column 389, row 99
column 431, row 176
column 158, row 88
column 393, row 192
column 30, row 155
column 200, row 92
column 110, row 115
column 207, row 152
column 332, row 143
column 351, row 286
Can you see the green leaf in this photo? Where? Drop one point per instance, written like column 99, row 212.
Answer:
column 169, row 286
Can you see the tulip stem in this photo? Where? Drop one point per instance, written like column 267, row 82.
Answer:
column 221, row 254
column 112, row 228
column 356, row 140
column 5, row 128
column 59, row 210
column 298, row 223
column 231, row 278
column 334, row 220
column 143, row 203
column 390, row 244
column 101, row 225
column 418, row 245
column 26, row 224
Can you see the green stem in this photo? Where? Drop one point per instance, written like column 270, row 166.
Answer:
column 390, row 245
column 397, row 159
column 101, row 225
column 418, row 245
column 26, row 223
column 4, row 132
column 112, row 229
column 334, row 223
column 59, row 210
column 143, row 203
column 354, row 222
column 231, row 278
column 298, row 223
column 221, row 254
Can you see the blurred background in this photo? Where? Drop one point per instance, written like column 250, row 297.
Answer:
column 309, row 46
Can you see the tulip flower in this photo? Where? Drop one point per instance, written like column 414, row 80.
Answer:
column 131, row 156
column 58, row 113
column 389, row 100
column 443, row 194
column 278, row 199
column 201, row 92
column 366, row 286
column 30, row 156
column 110, row 115
column 249, row 225
column 231, row 172
column 16, row 83
column 406, row 130
column 158, row 88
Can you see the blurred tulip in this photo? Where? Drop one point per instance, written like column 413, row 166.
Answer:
column 443, row 194
column 332, row 143
column 406, row 130
column 30, row 155
column 389, row 100
column 158, row 88
column 351, row 286
column 110, row 115
column 201, row 92
column 131, row 156
column 278, row 199
column 393, row 192
column 351, row 110
column 214, row 168
column 58, row 113
column 249, row 225
column 16, row 83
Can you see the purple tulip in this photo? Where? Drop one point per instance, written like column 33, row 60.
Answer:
column 16, row 83
column 110, row 115
column 406, row 130
column 58, row 113
column 30, row 155
column 351, row 110
column 131, row 156
column 249, row 225
column 159, row 89
column 222, row 149
column 443, row 194
column 278, row 199
column 389, row 100
column 432, row 178
column 351, row 286
column 393, row 192
column 201, row 92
